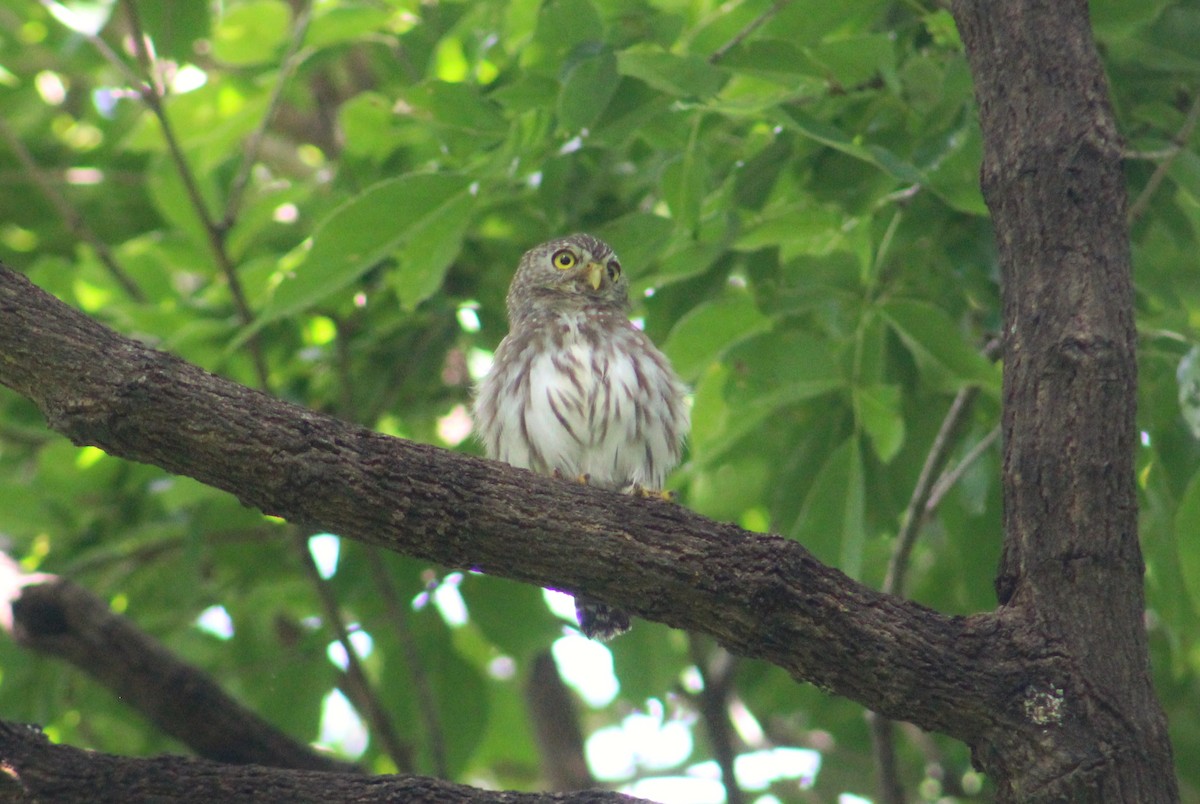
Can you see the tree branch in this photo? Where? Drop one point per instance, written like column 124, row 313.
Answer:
column 72, row 218
column 418, row 674
column 1052, row 178
column 358, row 687
column 152, row 94
column 53, row 616
column 760, row 596
column 33, row 769
column 556, row 728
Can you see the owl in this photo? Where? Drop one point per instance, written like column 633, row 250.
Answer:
column 576, row 390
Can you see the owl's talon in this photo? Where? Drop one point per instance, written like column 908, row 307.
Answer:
column 582, row 479
column 666, row 495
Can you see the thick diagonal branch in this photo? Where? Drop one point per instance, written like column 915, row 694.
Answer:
column 760, row 596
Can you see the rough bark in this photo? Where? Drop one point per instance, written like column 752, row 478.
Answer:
column 1071, row 565
column 1051, row 690
column 32, row 769
column 53, row 616
column 760, row 596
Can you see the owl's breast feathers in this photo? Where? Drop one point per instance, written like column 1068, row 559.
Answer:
column 584, row 394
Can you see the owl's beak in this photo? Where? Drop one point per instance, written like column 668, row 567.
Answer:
column 595, row 274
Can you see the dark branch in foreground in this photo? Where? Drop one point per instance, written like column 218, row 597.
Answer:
column 33, row 769
column 760, row 596
column 51, row 615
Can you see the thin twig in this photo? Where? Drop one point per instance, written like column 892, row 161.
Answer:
column 138, row 556
column 750, row 28
column 361, row 692
column 557, row 731
column 888, row 789
column 398, row 618
column 291, row 61
column 910, row 522
column 152, row 96
column 1178, row 143
column 106, row 52
column 71, row 216
column 951, row 476
column 883, row 744
column 717, row 668
column 913, row 514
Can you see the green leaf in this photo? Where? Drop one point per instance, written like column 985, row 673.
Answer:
column 637, row 238
column 174, row 27
column 722, row 418
column 682, row 76
column 250, row 33
column 853, row 60
column 458, row 106
column 728, row 488
column 799, row 228
column 1187, row 535
column 512, row 616
column 368, row 125
column 425, row 256
column 173, row 202
column 684, row 183
column 368, row 228
column 878, row 410
column 704, row 334
column 771, row 58
column 835, row 138
column 562, row 25
column 954, row 172
column 648, row 660
column 334, row 24
column 588, row 87
column 938, row 346
column 831, row 523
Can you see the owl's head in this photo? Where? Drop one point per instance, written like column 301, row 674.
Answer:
column 575, row 272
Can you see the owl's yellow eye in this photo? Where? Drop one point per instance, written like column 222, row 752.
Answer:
column 614, row 270
column 563, row 260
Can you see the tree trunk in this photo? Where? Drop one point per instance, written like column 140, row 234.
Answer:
column 1051, row 691
column 1071, row 569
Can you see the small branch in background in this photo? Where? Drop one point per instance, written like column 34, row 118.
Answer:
column 422, row 690
column 890, row 791
column 35, row 769
column 910, row 521
column 556, row 729
column 951, row 476
column 1168, row 157
column 152, row 94
column 359, row 689
column 717, row 670
column 914, row 514
column 128, row 558
column 288, row 66
column 742, row 35
column 70, row 215
column 53, row 616
column 935, row 763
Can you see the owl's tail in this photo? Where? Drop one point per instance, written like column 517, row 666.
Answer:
column 598, row 620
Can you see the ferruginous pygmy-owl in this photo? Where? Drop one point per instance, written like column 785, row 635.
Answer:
column 577, row 390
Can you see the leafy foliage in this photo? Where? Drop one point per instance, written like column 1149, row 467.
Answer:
column 334, row 209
